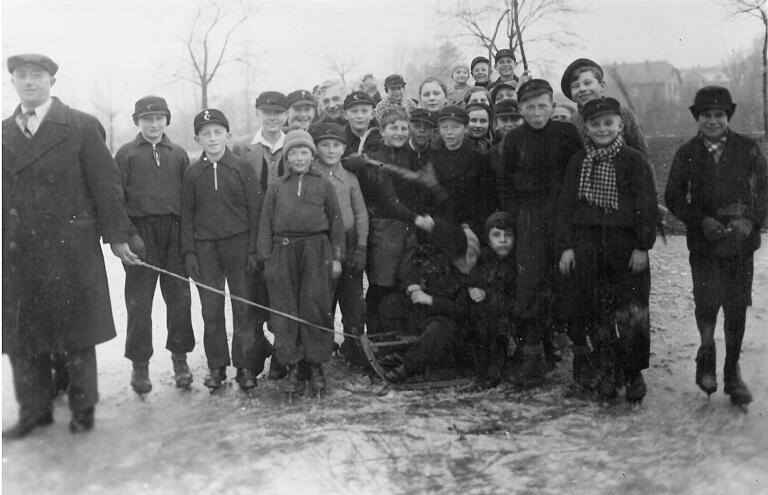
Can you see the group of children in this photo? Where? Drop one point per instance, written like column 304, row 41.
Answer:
column 565, row 206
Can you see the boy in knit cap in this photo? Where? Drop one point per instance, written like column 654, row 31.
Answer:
column 481, row 71
column 152, row 169
column 718, row 188
column 330, row 140
column 301, row 244
column 606, row 225
column 459, row 75
column 221, row 203
column 534, row 158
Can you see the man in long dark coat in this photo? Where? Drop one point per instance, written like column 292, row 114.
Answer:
column 61, row 192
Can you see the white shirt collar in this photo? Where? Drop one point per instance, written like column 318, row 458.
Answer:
column 259, row 138
column 40, row 110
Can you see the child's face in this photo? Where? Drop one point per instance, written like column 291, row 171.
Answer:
column 506, row 67
column 478, row 123
column 713, row 123
column 478, row 97
column 396, row 92
column 152, row 126
column 505, row 94
column 586, row 87
column 359, row 117
column 421, row 133
column 332, row 101
column 302, row 115
column 213, row 138
column 452, row 132
column 432, row 97
column 480, row 72
column 603, row 129
column 299, row 159
column 460, row 75
column 501, row 241
column 396, row 134
column 562, row 114
column 329, row 151
column 506, row 123
column 537, row 110
column 271, row 120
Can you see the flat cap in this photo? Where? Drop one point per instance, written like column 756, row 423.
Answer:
column 328, row 130
column 478, row 60
column 599, row 107
column 504, row 52
column 394, row 81
column 148, row 105
column 533, row 88
column 210, row 116
column 42, row 61
column 424, row 115
column 272, row 100
column 501, row 85
column 506, row 108
column 453, row 112
column 358, row 98
column 300, row 96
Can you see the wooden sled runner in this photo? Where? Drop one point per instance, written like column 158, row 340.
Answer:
column 381, row 347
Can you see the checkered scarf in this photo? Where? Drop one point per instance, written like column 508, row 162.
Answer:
column 597, row 183
column 716, row 147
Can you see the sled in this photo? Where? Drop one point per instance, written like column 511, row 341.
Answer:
column 377, row 347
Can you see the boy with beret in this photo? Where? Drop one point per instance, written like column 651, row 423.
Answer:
column 330, row 140
column 606, row 225
column 394, row 89
column 534, row 158
column 152, row 169
column 504, row 63
column 718, row 188
column 459, row 75
column 480, row 67
column 221, row 204
column 301, row 244
column 358, row 112
column 302, row 109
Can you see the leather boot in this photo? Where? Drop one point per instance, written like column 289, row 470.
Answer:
column 215, row 378
column 82, row 421
column 292, row 382
column 636, row 388
column 733, row 384
column 26, row 424
column 706, row 374
column 246, row 378
column 181, row 372
column 140, row 377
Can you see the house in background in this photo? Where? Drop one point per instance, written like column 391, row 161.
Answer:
column 646, row 85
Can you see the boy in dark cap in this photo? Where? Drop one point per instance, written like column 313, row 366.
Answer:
column 481, row 71
column 369, row 86
column 422, row 130
column 152, row 170
column 394, row 87
column 302, row 109
column 717, row 188
column 330, row 140
column 606, row 225
column 221, row 204
column 358, row 113
column 504, row 63
column 534, row 158
column 301, row 243
column 504, row 90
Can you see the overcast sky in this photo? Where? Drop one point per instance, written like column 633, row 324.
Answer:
column 130, row 45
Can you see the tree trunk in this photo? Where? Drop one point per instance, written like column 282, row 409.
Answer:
column 204, row 94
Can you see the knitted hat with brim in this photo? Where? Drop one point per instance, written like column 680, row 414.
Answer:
column 298, row 137
column 457, row 66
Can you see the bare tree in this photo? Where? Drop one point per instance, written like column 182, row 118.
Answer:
column 103, row 99
column 756, row 9
column 497, row 24
column 343, row 66
column 208, row 41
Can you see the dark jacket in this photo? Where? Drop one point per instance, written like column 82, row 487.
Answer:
column 260, row 158
column 301, row 204
column 533, row 165
column 151, row 189
column 220, row 202
column 372, row 142
column 698, row 187
column 498, row 278
column 636, row 208
column 61, row 192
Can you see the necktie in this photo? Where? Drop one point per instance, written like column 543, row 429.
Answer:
column 24, row 121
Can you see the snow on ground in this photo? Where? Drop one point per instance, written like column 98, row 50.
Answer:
column 363, row 439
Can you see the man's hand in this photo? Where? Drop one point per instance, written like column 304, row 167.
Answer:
column 742, row 226
column 359, row 258
column 421, row 297
column 425, row 222
column 122, row 251
column 713, row 230
column 192, row 266
column 336, row 269
column 477, row 295
column 567, row 261
column 638, row 261
column 136, row 243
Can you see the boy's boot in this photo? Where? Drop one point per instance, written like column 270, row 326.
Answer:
column 534, row 367
column 140, row 377
column 215, row 378
column 246, row 378
column 181, row 372
column 292, row 382
column 733, row 384
column 82, row 421
column 276, row 370
column 706, row 374
column 636, row 388
column 317, row 378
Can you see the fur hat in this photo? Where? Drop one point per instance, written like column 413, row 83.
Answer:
column 298, row 137
column 457, row 66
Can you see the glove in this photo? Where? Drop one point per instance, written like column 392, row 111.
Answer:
column 192, row 267
column 358, row 258
column 252, row 264
column 742, row 226
column 136, row 243
column 713, row 230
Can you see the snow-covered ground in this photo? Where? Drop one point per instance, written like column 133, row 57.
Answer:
column 362, row 439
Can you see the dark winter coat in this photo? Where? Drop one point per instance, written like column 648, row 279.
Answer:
column 698, row 187
column 61, row 192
